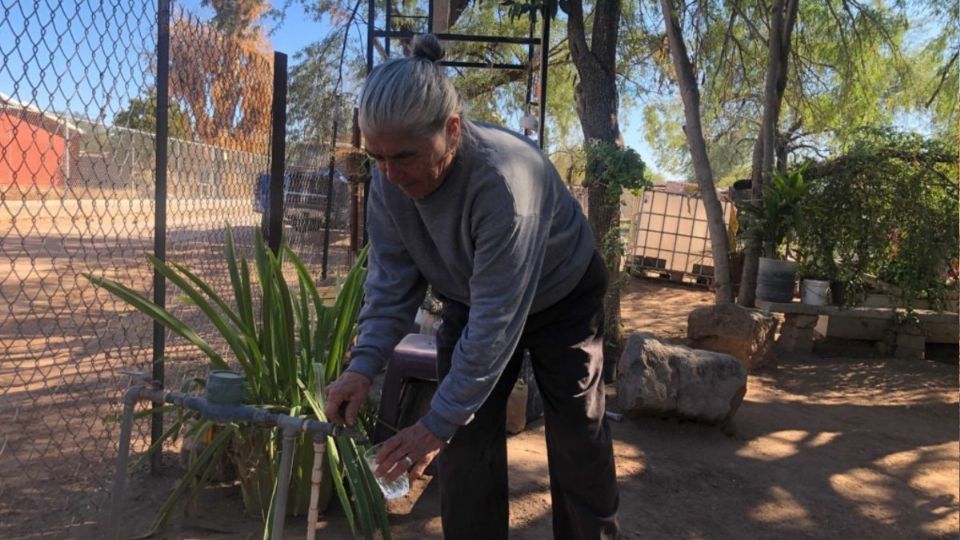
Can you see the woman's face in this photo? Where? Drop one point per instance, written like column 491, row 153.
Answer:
column 416, row 165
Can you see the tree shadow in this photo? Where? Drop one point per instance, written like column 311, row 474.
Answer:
column 820, row 454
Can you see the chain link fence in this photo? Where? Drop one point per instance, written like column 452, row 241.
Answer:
column 78, row 85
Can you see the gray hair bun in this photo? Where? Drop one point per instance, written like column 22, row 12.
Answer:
column 426, row 46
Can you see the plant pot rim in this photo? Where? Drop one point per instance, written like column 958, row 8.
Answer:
column 779, row 261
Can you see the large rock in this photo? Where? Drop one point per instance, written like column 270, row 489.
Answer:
column 655, row 378
column 745, row 333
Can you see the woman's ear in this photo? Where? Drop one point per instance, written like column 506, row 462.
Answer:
column 453, row 129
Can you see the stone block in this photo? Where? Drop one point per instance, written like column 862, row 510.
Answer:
column 744, row 333
column 797, row 333
column 654, row 378
column 910, row 343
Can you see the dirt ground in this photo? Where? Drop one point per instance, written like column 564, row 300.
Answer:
column 822, row 447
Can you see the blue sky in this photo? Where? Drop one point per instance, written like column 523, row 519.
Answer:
column 91, row 62
column 57, row 60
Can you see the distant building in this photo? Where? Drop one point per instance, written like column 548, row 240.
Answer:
column 36, row 148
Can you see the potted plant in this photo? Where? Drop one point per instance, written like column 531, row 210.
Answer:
column 816, row 259
column 288, row 344
column 773, row 220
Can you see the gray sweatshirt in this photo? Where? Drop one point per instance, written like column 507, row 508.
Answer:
column 502, row 235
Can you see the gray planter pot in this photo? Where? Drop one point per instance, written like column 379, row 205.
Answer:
column 775, row 279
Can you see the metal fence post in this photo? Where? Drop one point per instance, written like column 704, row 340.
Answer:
column 544, row 60
column 160, row 212
column 331, row 170
column 278, row 150
column 355, row 186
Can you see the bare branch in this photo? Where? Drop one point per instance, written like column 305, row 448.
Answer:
column 944, row 71
column 840, row 33
column 723, row 51
column 753, row 28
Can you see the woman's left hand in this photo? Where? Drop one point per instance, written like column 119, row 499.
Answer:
column 411, row 450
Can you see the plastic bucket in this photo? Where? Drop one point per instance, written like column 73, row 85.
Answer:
column 775, row 280
column 815, row 292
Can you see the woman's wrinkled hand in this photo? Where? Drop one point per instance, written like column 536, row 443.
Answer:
column 409, row 451
column 345, row 396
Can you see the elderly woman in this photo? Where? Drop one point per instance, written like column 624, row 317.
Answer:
column 481, row 215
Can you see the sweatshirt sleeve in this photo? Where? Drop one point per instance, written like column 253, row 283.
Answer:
column 393, row 291
column 510, row 235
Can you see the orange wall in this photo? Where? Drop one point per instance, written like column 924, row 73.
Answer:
column 30, row 156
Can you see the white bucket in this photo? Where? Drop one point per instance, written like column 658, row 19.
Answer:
column 815, row 292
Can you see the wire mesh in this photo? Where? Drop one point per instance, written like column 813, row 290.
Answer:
column 74, row 197
column 220, row 96
column 77, row 187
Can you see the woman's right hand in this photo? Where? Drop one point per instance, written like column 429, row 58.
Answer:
column 345, row 396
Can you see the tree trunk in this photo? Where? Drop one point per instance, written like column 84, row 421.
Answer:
column 689, row 91
column 597, row 107
column 783, row 16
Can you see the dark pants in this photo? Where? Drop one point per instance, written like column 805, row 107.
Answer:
column 566, row 347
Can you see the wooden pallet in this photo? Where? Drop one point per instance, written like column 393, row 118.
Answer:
column 673, row 276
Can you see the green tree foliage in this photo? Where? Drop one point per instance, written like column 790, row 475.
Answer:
column 729, row 154
column 851, row 65
column 614, row 170
column 312, row 93
column 239, row 18
column 886, row 207
column 774, row 218
column 493, row 95
column 935, row 90
column 141, row 114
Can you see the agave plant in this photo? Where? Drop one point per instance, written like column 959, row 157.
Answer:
column 289, row 347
